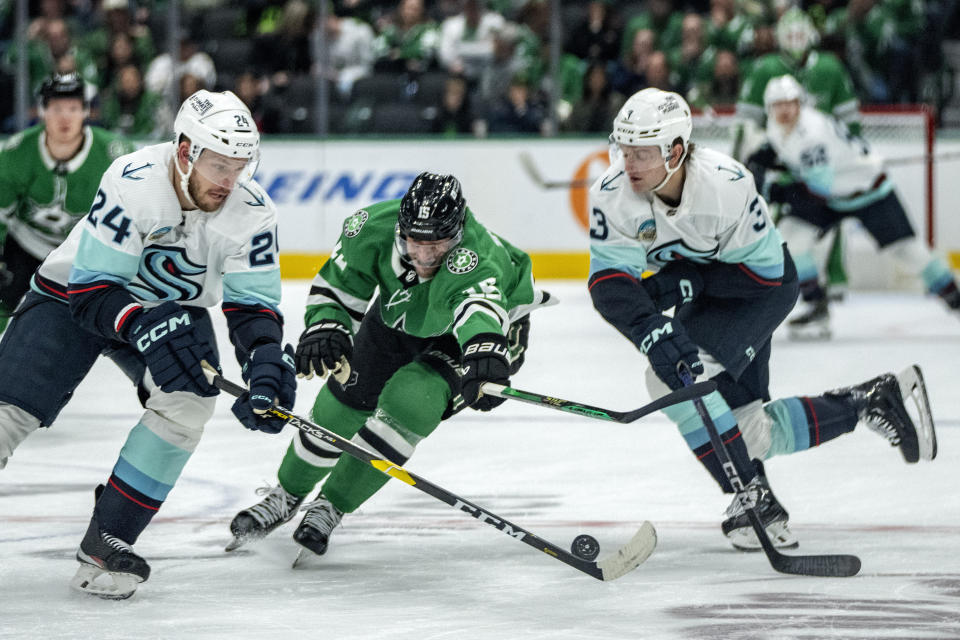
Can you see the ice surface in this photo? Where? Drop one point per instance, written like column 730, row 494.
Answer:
column 407, row 566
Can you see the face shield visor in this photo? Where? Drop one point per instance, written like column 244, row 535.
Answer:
column 225, row 172
column 642, row 158
column 426, row 255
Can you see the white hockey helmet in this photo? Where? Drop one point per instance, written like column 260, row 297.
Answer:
column 218, row 122
column 782, row 89
column 653, row 117
column 796, row 33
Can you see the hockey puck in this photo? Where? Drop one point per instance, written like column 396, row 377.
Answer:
column 585, row 547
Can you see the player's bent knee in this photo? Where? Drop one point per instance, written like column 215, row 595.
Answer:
column 755, row 427
column 416, row 397
column 178, row 417
column 15, row 425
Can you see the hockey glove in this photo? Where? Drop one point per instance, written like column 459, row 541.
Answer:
column 677, row 283
column 272, row 378
column 666, row 343
column 325, row 348
column 485, row 359
column 166, row 338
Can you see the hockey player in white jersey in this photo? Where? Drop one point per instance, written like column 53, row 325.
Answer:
column 839, row 176
column 174, row 228
column 694, row 216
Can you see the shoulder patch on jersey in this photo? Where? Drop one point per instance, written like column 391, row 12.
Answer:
column 607, row 183
column 353, row 224
column 159, row 233
column 736, row 172
column 130, row 172
column 462, row 260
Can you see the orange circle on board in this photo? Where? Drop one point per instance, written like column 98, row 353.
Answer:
column 579, row 201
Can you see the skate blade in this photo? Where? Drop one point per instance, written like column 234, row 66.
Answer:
column 94, row 581
column 913, row 388
column 235, row 544
column 304, row 559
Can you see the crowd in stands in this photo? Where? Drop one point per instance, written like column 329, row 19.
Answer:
column 456, row 67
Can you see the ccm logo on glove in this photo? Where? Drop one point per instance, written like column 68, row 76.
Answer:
column 158, row 331
column 651, row 338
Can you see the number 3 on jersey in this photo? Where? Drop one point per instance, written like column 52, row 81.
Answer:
column 120, row 227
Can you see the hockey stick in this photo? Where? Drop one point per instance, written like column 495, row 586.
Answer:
column 626, row 559
column 530, row 168
column 680, row 395
column 838, row 566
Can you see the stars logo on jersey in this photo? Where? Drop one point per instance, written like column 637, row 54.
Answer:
column 462, row 260
column 648, row 230
column 353, row 224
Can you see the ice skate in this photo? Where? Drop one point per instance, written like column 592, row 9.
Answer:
column 314, row 531
column 813, row 323
column 737, row 526
column 880, row 404
column 257, row 521
column 108, row 566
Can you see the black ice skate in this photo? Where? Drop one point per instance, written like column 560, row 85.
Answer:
column 257, row 521
column 881, row 404
column 108, row 566
column 813, row 323
column 737, row 526
column 314, row 531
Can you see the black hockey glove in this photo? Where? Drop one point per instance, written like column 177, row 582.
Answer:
column 272, row 378
column 166, row 338
column 321, row 348
column 485, row 359
column 677, row 283
column 666, row 343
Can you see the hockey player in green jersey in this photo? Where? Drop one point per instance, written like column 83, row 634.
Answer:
column 48, row 177
column 450, row 313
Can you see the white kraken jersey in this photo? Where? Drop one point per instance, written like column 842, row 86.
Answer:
column 833, row 163
column 137, row 235
column 720, row 218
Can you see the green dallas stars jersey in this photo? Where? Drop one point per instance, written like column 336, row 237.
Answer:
column 483, row 284
column 41, row 199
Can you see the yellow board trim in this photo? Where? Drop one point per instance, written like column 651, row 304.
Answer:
column 393, row 470
column 546, row 266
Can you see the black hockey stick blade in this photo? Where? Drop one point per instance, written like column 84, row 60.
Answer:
column 828, row 566
column 530, row 168
column 621, row 562
column 683, row 394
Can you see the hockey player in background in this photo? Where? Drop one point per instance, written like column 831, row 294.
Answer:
column 694, row 216
column 173, row 229
column 450, row 313
column 48, row 177
column 832, row 175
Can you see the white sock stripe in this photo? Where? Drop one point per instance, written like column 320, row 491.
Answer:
column 311, row 458
column 389, row 435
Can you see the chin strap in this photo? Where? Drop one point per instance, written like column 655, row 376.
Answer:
column 185, row 180
column 670, row 172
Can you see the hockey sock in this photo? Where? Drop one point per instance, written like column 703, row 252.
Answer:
column 401, row 420
column 695, row 433
column 802, row 423
column 123, row 511
column 308, row 460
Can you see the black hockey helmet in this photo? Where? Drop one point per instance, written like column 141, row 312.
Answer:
column 62, row 85
column 433, row 208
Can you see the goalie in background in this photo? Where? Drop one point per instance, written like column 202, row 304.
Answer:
column 450, row 313
column 831, row 175
column 49, row 175
column 694, row 215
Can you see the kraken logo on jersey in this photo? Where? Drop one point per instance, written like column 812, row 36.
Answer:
column 462, row 260
column 678, row 250
column 165, row 275
column 353, row 224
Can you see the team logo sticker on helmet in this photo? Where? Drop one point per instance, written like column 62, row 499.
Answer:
column 462, row 260
column 353, row 224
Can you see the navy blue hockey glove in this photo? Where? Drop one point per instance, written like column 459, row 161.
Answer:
column 677, row 283
column 325, row 347
column 272, row 378
column 166, row 338
column 486, row 358
column 666, row 343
